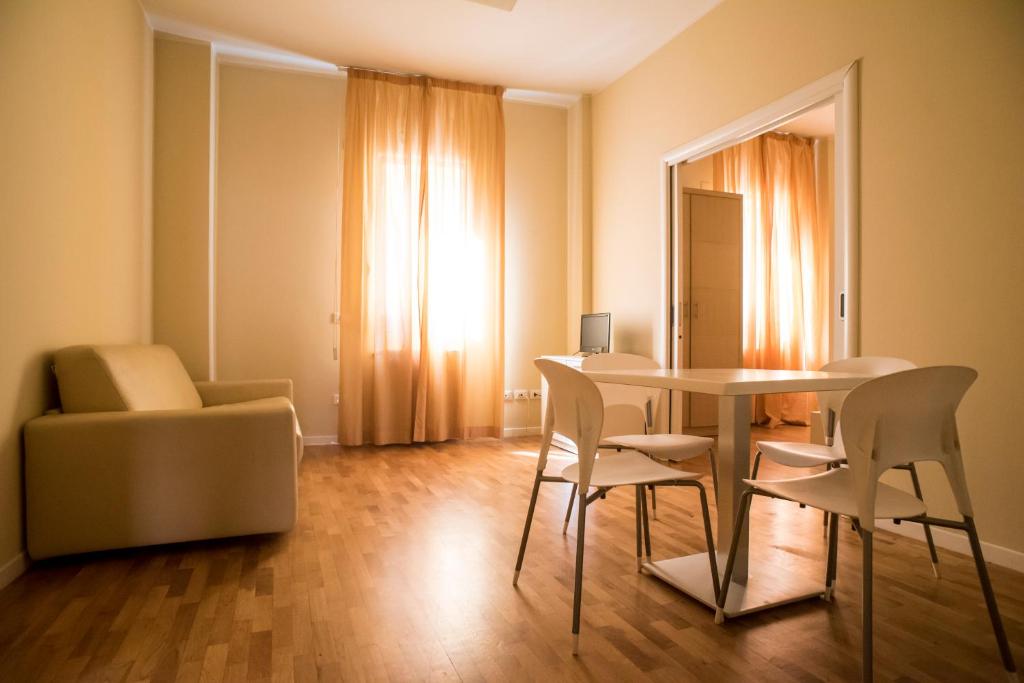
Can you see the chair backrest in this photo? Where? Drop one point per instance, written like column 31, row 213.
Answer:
column 123, row 377
column 901, row 418
column 830, row 402
column 626, row 404
column 575, row 410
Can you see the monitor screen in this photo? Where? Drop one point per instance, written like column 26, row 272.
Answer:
column 595, row 332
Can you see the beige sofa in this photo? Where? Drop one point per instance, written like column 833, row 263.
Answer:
column 141, row 455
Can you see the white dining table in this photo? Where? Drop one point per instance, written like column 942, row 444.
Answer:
column 734, row 387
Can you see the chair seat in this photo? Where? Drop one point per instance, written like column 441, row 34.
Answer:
column 628, row 467
column 835, row 491
column 797, row 454
column 672, row 447
column 557, row 463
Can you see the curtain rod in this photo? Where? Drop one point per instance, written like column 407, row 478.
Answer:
column 384, row 71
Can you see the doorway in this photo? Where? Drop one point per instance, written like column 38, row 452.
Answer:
column 821, row 109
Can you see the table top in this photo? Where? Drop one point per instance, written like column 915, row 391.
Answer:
column 731, row 381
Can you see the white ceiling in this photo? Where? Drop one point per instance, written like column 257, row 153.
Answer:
column 569, row 46
column 817, row 123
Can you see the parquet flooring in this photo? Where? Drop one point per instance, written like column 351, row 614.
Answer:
column 400, row 568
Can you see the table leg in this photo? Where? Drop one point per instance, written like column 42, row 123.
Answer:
column 733, row 466
column 774, row 583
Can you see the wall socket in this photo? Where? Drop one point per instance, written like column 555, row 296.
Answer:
column 336, row 399
column 521, row 394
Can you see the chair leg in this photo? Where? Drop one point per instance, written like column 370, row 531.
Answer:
column 568, row 510
column 927, row 527
column 577, row 598
column 639, row 491
column 867, row 642
column 654, row 502
column 757, row 465
column 737, row 531
column 825, row 514
column 647, row 524
column 710, row 540
column 990, row 598
column 526, row 528
column 714, row 473
column 833, row 555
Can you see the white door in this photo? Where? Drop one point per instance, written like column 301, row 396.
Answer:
column 709, row 295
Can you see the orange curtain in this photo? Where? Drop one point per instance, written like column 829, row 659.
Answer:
column 422, row 270
column 786, row 256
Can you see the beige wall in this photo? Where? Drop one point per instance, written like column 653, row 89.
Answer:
column 181, row 201
column 535, row 248
column 699, row 174
column 72, row 187
column 277, row 193
column 941, row 277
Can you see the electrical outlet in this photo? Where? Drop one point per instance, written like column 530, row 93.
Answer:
column 534, row 393
column 522, row 394
column 336, row 399
column 508, row 394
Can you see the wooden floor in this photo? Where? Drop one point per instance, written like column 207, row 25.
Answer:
column 401, row 567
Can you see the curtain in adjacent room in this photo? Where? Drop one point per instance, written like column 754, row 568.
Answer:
column 786, row 252
column 423, row 210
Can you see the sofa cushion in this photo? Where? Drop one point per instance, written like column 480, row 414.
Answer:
column 124, row 377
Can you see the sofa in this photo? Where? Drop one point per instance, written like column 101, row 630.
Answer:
column 139, row 454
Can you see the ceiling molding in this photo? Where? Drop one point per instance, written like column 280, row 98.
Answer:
column 551, row 99
column 246, row 56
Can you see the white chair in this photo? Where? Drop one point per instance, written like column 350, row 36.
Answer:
column 830, row 454
column 896, row 419
column 636, row 408
column 575, row 410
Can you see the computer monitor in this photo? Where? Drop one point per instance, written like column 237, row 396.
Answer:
column 595, row 332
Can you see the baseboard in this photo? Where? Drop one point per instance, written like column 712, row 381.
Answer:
column 957, row 542
column 324, row 440
column 520, row 431
column 332, row 440
column 13, row 568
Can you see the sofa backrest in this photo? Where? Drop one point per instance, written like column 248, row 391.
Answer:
column 129, row 377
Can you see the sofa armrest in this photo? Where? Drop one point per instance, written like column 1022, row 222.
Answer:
column 95, row 481
column 219, row 393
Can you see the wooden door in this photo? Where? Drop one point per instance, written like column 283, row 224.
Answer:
column 709, row 293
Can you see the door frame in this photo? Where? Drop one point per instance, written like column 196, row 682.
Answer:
column 842, row 88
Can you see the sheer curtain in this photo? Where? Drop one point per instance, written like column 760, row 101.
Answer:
column 786, row 252
column 422, row 267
